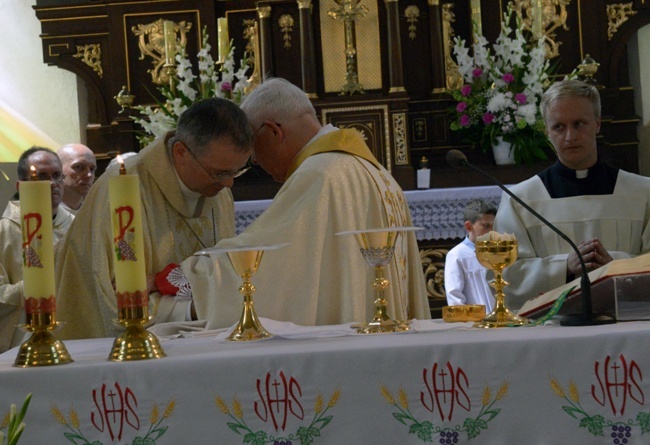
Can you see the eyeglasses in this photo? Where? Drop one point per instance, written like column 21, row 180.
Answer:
column 224, row 176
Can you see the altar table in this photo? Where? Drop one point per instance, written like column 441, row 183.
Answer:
column 438, row 211
column 441, row 383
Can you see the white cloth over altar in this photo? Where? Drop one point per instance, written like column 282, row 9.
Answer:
column 438, row 211
column 534, row 386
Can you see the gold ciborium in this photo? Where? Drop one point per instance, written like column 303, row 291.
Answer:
column 377, row 247
column 496, row 253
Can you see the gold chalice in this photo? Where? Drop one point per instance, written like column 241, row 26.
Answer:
column 246, row 261
column 377, row 247
column 496, row 255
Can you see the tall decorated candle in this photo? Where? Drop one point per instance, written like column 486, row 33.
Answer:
column 38, row 250
column 128, row 245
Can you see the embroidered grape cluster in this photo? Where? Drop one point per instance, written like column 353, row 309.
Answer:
column 448, row 437
column 124, row 251
column 32, row 257
column 621, row 434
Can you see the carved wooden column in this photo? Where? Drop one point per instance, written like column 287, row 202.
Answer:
column 395, row 76
column 437, row 46
column 307, row 50
column 264, row 13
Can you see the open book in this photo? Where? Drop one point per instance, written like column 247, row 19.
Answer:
column 602, row 288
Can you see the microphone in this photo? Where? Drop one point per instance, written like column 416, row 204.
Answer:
column 457, row 159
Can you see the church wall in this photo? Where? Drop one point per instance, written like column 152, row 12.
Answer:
column 45, row 95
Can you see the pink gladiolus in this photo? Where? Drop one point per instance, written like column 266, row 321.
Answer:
column 464, row 120
column 461, row 106
column 466, row 90
column 488, row 118
column 225, row 86
column 476, row 72
column 508, row 78
column 521, row 98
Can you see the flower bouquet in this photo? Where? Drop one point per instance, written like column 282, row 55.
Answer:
column 186, row 88
column 502, row 91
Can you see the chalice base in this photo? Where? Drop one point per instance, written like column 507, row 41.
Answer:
column 249, row 326
column 135, row 343
column 41, row 349
column 501, row 318
column 380, row 326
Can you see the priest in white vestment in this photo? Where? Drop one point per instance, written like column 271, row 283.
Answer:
column 332, row 183
column 603, row 210
column 185, row 181
column 12, row 302
column 79, row 167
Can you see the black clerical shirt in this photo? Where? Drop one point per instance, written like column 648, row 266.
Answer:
column 563, row 182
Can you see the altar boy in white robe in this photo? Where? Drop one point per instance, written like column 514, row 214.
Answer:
column 331, row 183
column 604, row 210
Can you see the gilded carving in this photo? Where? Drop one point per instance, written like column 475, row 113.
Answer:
column 412, row 13
column 91, row 55
column 454, row 80
column 304, row 4
column 419, row 126
column 617, row 14
column 554, row 16
column 401, row 145
column 286, row 23
column 383, row 112
column 349, row 11
column 253, row 51
column 264, row 12
column 433, row 265
column 151, row 42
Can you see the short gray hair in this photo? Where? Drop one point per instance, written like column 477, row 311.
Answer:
column 570, row 88
column 276, row 100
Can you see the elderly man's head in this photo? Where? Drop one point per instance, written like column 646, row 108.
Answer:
column 46, row 167
column 284, row 121
column 79, row 166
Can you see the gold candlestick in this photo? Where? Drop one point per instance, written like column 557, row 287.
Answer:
column 41, row 349
column 135, row 343
column 377, row 247
column 496, row 255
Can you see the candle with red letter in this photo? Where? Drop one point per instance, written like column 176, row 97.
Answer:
column 38, row 250
column 128, row 245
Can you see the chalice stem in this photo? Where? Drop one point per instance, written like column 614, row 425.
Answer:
column 380, row 284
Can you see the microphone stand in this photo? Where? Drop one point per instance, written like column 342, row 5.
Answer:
column 587, row 317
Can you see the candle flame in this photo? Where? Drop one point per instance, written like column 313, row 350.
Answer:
column 34, row 176
column 121, row 162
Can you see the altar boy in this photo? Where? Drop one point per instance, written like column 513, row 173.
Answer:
column 465, row 278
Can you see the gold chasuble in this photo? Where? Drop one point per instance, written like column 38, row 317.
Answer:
column 335, row 184
column 86, row 299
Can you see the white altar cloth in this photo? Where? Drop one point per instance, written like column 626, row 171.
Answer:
column 438, row 211
column 538, row 385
